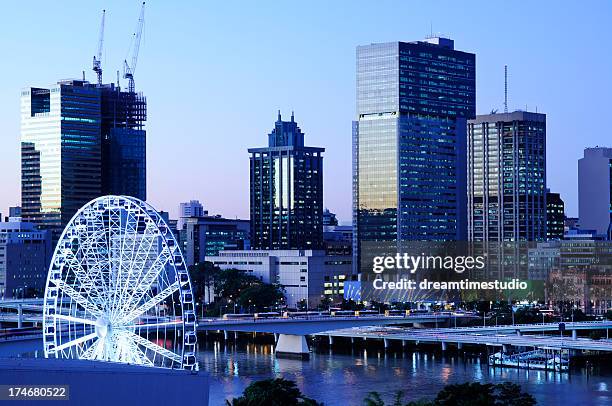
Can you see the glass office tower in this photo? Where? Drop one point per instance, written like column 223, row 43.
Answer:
column 409, row 141
column 286, row 191
column 60, row 151
column 507, row 177
column 79, row 141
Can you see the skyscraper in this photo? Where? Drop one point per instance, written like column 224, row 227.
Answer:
column 61, row 150
column 507, row 177
column 286, row 191
column 79, row 141
column 409, row 141
column 595, row 190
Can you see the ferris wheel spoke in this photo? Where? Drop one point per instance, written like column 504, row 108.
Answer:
column 152, row 302
column 143, row 357
column 91, row 351
column 134, row 278
column 145, row 283
column 74, row 319
column 75, row 342
column 151, row 325
column 78, row 298
column 155, row 348
column 86, row 279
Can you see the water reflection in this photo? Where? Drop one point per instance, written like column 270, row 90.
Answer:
column 345, row 377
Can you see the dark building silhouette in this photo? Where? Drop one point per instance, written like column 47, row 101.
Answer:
column 555, row 216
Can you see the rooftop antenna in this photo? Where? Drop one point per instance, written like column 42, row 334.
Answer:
column 505, row 88
column 97, row 61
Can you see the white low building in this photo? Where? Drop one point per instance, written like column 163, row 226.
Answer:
column 305, row 274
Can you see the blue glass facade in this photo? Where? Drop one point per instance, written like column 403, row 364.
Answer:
column 409, row 141
column 123, row 142
column 60, row 151
column 79, row 141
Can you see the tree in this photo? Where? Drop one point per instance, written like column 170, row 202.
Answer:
column 229, row 283
column 272, row 392
column 325, row 304
column 202, row 277
column 477, row 394
column 466, row 394
column 261, row 296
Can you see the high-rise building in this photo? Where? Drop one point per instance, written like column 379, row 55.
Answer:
column 507, row 177
column 409, row 141
column 25, row 253
column 61, row 150
column 79, row 141
column 286, row 191
column 555, row 216
column 595, row 190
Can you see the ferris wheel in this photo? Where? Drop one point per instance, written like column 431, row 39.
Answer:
column 118, row 290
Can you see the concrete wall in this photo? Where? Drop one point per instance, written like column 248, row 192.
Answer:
column 101, row 383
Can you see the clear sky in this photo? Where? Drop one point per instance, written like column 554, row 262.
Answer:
column 216, row 72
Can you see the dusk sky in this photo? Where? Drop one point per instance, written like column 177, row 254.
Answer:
column 215, row 74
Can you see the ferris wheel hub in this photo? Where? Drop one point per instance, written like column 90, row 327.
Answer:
column 103, row 326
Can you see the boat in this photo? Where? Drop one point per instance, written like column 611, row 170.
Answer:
column 544, row 359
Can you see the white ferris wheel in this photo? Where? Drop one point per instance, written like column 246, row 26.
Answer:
column 118, row 289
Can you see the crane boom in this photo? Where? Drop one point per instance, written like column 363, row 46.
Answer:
column 128, row 70
column 97, row 61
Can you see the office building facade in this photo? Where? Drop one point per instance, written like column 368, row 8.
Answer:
column 79, row 141
column 507, row 177
column 192, row 208
column 25, row 253
column 61, row 151
column 307, row 276
column 595, row 190
column 202, row 237
column 286, row 195
column 409, row 142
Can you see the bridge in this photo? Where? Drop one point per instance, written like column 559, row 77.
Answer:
column 33, row 309
column 488, row 336
column 291, row 332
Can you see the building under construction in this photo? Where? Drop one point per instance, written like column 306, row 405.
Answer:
column 81, row 140
column 123, row 142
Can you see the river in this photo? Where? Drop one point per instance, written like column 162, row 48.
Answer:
column 345, row 375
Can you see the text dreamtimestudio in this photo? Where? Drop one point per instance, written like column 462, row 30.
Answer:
column 458, row 264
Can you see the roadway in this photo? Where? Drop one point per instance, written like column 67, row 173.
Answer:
column 307, row 325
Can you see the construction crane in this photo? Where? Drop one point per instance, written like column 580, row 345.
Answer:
column 129, row 69
column 97, row 62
